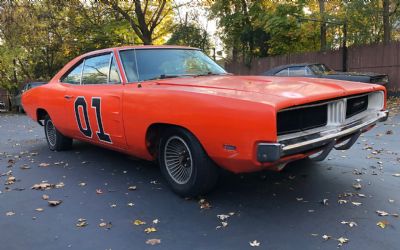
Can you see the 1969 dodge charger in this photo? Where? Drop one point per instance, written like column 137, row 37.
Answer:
column 175, row 105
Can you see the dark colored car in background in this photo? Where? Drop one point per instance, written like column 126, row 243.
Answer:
column 28, row 86
column 319, row 70
column 2, row 106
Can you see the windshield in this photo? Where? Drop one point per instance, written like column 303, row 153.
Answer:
column 320, row 69
column 167, row 63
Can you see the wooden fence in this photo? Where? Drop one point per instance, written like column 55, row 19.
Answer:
column 378, row 58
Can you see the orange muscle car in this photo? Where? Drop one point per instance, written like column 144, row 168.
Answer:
column 175, row 105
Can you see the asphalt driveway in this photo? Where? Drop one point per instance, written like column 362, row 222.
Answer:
column 306, row 206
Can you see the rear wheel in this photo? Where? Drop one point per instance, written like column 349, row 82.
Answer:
column 55, row 140
column 185, row 164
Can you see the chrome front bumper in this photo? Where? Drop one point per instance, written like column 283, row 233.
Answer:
column 322, row 138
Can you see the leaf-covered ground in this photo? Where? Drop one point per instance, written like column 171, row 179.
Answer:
column 93, row 198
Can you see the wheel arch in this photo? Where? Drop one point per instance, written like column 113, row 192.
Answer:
column 154, row 133
column 41, row 115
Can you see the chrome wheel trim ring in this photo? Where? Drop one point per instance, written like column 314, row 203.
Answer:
column 51, row 133
column 178, row 160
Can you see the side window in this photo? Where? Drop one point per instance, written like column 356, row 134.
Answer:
column 283, row 72
column 74, row 76
column 95, row 70
column 114, row 75
column 297, row 71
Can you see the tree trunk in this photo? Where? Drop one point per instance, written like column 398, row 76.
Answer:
column 322, row 25
column 386, row 22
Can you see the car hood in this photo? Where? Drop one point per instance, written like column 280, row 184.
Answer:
column 278, row 91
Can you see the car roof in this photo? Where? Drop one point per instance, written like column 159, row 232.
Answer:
column 275, row 70
column 137, row 47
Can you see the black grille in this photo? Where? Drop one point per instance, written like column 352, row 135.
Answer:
column 296, row 120
column 356, row 105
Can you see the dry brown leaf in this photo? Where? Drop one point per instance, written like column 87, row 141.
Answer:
column 153, row 242
column 150, row 230
column 45, row 197
column 357, row 186
column 204, row 204
column 356, row 203
column 254, row 243
column 98, row 191
column 44, row 164
column 382, row 224
column 139, row 222
column 11, row 213
column 132, row 188
column 39, row 209
column 82, row 184
column 59, row 185
column 326, row 237
column 41, row 186
column 81, row 223
column 342, row 241
column 10, row 180
column 382, row 213
column 54, row 203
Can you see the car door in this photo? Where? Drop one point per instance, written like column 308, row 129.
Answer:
column 94, row 106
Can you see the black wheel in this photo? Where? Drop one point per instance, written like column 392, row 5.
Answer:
column 55, row 140
column 185, row 164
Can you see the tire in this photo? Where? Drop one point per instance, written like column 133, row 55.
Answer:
column 55, row 140
column 189, row 170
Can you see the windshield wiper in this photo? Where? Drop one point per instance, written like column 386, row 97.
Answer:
column 165, row 76
column 213, row 74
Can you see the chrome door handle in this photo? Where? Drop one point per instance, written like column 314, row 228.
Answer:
column 68, row 97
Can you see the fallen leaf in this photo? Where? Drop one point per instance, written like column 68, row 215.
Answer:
column 156, row 221
column 132, row 188
column 357, row 186
column 39, row 209
column 204, row 204
column 342, row 201
column 10, row 180
column 138, row 222
column 81, row 223
column 59, row 185
column 10, row 213
column 382, row 224
column 153, row 242
column 130, row 204
column 382, row 213
column 222, row 216
column 150, row 230
column 254, row 243
column 82, row 184
column 324, row 202
column 342, row 241
column 44, row 164
column 326, row 237
column 356, row 203
column 396, row 175
column 349, row 223
column 45, row 197
column 54, row 203
column 41, row 186
column 106, row 225
column 98, row 191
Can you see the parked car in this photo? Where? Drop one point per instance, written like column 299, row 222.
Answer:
column 177, row 106
column 320, row 70
column 2, row 106
column 17, row 99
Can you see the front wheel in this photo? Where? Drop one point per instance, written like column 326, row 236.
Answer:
column 55, row 140
column 185, row 164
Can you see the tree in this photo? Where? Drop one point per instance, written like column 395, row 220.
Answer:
column 190, row 35
column 146, row 17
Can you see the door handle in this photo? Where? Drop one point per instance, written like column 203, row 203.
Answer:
column 68, row 97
